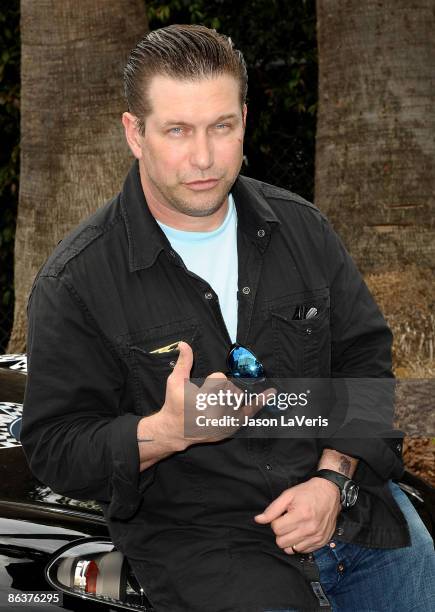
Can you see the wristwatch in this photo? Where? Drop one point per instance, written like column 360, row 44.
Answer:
column 348, row 488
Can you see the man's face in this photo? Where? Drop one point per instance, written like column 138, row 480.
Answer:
column 192, row 148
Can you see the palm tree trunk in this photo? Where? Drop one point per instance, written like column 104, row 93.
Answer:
column 375, row 150
column 73, row 154
column 375, row 171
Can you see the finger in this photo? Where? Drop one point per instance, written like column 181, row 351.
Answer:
column 216, row 375
column 290, row 551
column 303, row 546
column 306, row 536
column 290, row 539
column 215, row 383
column 304, row 543
column 258, row 401
column 275, row 509
column 286, row 524
column 184, row 362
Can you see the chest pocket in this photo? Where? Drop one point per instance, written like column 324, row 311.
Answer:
column 151, row 355
column 302, row 347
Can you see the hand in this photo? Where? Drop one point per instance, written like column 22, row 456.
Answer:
column 181, row 401
column 304, row 516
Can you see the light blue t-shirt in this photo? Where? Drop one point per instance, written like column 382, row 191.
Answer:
column 213, row 256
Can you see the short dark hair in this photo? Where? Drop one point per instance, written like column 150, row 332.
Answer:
column 186, row 52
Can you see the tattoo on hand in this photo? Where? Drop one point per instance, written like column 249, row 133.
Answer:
column 345, row 465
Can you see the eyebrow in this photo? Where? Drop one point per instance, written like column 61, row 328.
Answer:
column 218, row 120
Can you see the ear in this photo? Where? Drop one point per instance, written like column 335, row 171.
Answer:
column 132, row 135
column 244, row 113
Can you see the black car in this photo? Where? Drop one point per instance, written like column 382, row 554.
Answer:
column 55, row 552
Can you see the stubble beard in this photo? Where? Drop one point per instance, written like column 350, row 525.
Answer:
column 206, row 208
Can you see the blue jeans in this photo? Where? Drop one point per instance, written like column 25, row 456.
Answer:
column 380, row 580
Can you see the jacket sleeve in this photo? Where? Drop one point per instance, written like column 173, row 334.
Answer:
column 361, row 348
column 74, row 433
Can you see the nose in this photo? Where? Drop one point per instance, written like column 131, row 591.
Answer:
column 202, row 151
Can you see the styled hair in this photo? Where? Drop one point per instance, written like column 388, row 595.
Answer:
column 184, row 52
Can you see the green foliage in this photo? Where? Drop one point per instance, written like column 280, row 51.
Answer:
column 278, row 41
column 9, row 156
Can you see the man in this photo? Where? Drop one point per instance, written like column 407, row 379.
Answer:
column 154, row 289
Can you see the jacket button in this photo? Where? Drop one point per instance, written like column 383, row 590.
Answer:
column 172, row 364
column 261, row 233
column 332, row 544
column 268, row 466
column 340, row 568
column 208, row 295
column 399, row 447
column 308, row 330
column 339, row 531
column 246, row 290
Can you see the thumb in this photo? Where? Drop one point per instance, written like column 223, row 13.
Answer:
column 275, row 509
column 184, row 362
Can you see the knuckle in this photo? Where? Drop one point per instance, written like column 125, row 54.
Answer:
column 275, row 528
column 305, row 516
column 312, row 527
column 170, row 381
column 214, row 375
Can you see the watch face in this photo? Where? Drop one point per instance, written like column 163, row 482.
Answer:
column 350, row 494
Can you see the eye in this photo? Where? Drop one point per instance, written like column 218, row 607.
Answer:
column 221, row 126
column 176, row 130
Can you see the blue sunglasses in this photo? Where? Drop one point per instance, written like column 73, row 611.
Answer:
column 242, row 363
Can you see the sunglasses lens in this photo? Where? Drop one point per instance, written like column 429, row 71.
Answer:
column 243, row 364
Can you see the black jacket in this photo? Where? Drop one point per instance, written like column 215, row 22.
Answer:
column 114, row 290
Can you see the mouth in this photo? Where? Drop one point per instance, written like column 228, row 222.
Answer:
column 202, row 185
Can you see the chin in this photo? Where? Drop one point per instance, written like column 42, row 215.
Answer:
column 203, row 211
column 199, row 209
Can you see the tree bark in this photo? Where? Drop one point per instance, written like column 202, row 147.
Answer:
column 375, row 149
column 73, row 151
column 375, row 170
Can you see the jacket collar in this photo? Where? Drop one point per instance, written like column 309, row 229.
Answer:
column 146, row 240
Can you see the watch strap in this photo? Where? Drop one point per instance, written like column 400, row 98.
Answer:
column 339, row 479
column 347, row 487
